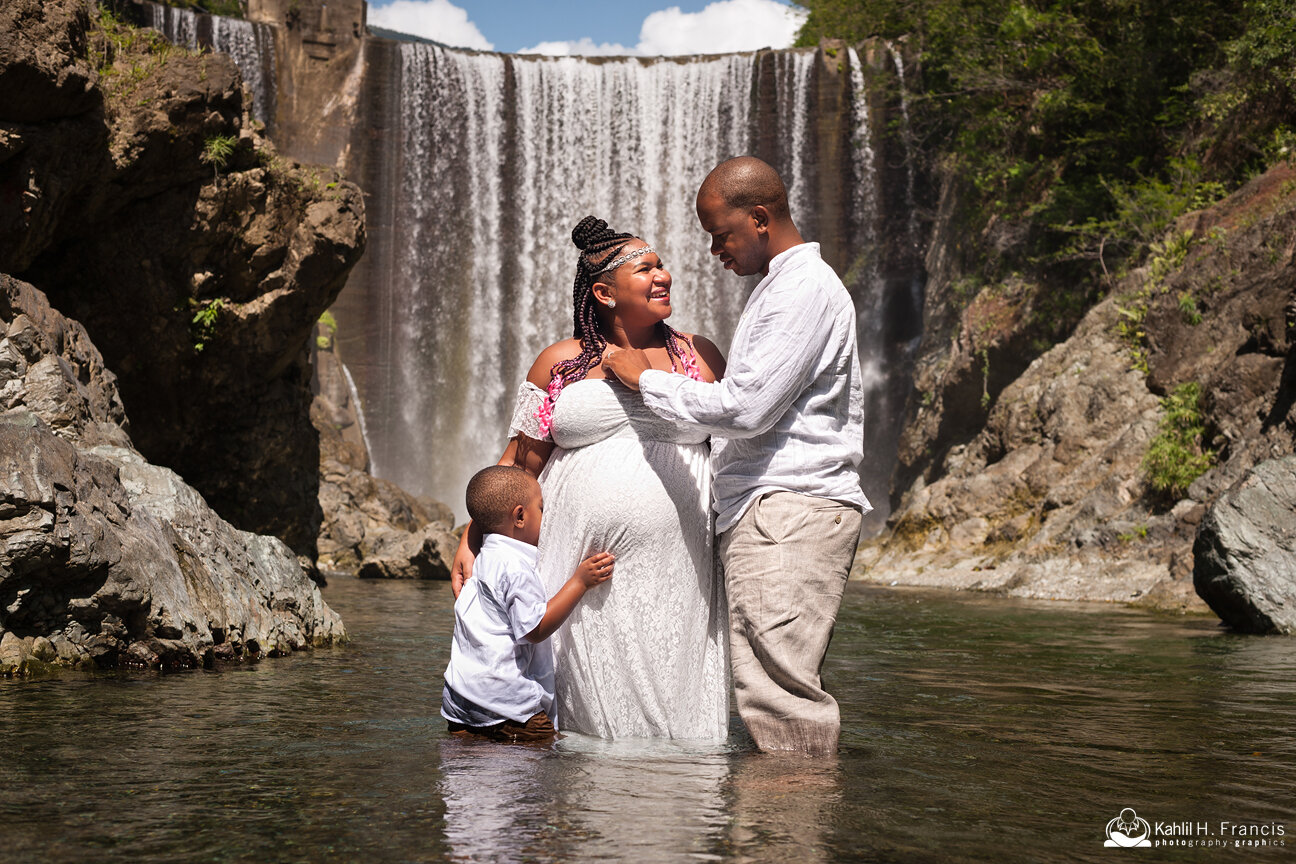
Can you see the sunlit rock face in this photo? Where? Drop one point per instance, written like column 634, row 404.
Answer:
column 105, row 559
column 122, row 218
column 1034, row 482
column 158, row 215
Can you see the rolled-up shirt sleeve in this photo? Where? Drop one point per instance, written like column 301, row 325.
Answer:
column 792, row 330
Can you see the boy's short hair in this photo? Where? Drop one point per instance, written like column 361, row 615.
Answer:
column 493, row 493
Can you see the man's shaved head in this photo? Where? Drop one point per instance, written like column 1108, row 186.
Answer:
column 744, row 182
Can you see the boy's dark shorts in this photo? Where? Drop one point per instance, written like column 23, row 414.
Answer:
column 538, row 728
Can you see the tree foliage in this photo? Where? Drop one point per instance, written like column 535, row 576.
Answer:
column 1060, row 115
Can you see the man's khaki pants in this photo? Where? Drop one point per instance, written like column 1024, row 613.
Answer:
column 786, row 562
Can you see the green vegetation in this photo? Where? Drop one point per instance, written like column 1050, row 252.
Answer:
column 124, row 56
column 1079, row 130
column 327, row 330
column 1138, row 532
column 217, row 150
column 202, row 326
column 1176, row 456
column 1188, row 308
column 984, row 354
column 1164, row 257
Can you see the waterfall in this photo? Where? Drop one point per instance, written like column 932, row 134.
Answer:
column 792, row 73
column 864, row 190
column 499, row 157
column 906, row 135
column 477, row 165
column 249, row 45
column 870, row 291
column 360, row 416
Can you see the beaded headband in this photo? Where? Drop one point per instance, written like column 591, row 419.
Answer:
column 617, row 262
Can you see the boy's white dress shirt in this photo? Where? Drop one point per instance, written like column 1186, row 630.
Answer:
column 492, row 665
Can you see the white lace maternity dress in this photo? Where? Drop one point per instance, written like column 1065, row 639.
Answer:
column 645, row 654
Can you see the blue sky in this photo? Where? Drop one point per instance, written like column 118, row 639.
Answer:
column 647, row 27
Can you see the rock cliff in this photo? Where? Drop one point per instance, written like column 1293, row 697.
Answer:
column 148, row 207
column 106, row 559
column 137, row 194
column 1028, row 476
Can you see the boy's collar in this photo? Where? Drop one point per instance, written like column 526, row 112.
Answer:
column 510, row 546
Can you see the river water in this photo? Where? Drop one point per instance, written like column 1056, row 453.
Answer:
column 976, row 729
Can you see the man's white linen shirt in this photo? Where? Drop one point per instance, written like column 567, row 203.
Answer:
column 491, row 663
column 789, row 413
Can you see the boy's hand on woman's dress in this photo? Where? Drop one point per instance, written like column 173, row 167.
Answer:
column 595, row 569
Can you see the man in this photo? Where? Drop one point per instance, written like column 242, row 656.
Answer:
column 787, row 441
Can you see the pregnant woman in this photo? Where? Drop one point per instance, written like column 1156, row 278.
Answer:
column 647, row 657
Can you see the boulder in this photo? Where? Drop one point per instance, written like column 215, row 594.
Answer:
column 104, row 558
column 394, row 554
column 1244, row 557
column 44, row 72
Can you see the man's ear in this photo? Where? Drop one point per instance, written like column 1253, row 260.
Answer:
column 518, row 514
column 760, row 218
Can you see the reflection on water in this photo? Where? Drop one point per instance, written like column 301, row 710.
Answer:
column 582, row 799
column 975, row 729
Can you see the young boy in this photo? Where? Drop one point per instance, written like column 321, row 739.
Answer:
column 500, row 681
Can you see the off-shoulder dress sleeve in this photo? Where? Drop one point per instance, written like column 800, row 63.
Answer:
column 526, row 410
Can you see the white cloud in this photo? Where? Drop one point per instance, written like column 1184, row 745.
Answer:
column 439, row 20
column 585, row 47
column 721, row 27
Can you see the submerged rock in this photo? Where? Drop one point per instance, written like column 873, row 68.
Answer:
column 1245, row 552
column 104, row 558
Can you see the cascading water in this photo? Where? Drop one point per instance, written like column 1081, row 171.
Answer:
column 870, row 293
column 250, row 46
column 906, row 135
column 500, row 156
column 355, row 400
column 792, row 74
column 477, row 165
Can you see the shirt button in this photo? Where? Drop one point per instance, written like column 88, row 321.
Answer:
column 838, row 519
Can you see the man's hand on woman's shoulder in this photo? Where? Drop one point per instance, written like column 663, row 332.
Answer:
column 626, row 364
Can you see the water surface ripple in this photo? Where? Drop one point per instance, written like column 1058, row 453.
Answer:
column 976, row 729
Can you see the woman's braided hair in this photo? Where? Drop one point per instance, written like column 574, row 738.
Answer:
column 599, row 244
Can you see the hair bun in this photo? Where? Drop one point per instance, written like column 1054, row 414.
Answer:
column 588, row 231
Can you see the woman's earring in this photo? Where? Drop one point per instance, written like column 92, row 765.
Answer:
column 611, row 304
